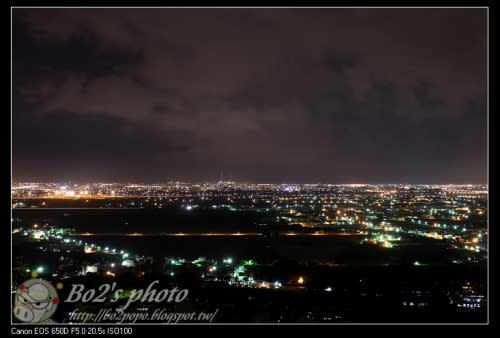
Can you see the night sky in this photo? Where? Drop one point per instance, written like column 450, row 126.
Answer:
column 270, row 95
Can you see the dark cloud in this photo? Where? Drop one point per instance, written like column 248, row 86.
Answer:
column 303, row 95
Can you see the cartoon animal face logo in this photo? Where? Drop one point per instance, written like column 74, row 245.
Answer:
column 36, row 300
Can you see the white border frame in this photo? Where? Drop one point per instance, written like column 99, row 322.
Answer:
column 262, row 7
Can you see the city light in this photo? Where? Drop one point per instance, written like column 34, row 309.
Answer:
column 320, row 213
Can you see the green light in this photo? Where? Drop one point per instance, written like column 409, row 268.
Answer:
column 416, row 263
column 199, row 260
column 39, row 269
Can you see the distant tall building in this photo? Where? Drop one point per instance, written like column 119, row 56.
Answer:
column 227, row 182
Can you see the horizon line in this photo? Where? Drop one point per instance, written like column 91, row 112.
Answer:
column 234, row 182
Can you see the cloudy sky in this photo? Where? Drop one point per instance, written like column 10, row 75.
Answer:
column 270, row 95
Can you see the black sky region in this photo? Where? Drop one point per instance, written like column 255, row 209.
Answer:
column 270, row 95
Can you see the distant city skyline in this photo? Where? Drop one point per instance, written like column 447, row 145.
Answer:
column 331, row 96
column 243, row 183
column 212, row 181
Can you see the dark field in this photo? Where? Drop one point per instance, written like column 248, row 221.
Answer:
column 268, row 241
